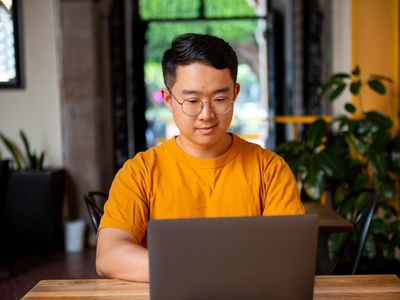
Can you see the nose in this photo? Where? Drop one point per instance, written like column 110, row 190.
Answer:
column 206, row 112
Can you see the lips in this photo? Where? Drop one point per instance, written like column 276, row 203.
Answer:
column 207, row 130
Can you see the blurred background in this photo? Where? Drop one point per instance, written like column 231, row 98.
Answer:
column 81, row 79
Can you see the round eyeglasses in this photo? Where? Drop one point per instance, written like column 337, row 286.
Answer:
column 193, row 107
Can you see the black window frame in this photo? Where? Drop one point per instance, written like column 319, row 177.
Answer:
column 18, row 81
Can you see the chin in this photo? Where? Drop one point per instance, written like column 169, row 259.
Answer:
column 206, row 140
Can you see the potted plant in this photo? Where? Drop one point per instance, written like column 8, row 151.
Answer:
column 355, row 151
column 33, row 208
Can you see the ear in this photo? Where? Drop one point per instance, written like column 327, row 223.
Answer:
column 236, row 90
column 166, row 98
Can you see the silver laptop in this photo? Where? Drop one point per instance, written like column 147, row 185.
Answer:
column 233, row 258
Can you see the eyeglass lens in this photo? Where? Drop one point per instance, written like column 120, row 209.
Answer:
column 194, row 107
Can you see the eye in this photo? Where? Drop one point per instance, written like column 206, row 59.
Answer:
column 221, row 99
column 193, row 101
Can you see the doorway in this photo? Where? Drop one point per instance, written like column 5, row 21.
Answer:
column 243, row 25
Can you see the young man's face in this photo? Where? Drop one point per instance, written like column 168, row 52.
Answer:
column 200, row 81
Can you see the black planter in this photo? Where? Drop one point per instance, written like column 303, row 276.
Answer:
column 5, row 250
column 4, row 174
column 34, row 211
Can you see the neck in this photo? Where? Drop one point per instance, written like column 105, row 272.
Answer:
column 206, row 151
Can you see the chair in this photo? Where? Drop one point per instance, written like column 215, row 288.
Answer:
column 348, row 257
column 5, row 250
column 95, row 201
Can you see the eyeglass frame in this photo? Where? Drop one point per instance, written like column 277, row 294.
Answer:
column 202, row 105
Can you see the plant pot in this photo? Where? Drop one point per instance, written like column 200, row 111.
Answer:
column 34, row 211
column 4, row 174
column 74, row 231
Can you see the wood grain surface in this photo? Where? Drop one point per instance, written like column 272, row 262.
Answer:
column 374, row 287
column 329, row 221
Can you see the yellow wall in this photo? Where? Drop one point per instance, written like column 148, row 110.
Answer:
column 375, row 48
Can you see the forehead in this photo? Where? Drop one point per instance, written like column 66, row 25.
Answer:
column 199, row 76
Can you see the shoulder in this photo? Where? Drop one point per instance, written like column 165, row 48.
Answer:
column 153, row 154
column 249, row 149
column 139, row 162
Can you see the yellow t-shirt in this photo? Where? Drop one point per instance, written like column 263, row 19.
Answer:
column 165, row 182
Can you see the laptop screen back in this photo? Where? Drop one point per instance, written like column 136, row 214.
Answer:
column 233, row 258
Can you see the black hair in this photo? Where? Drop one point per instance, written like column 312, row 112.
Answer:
column 203, row 48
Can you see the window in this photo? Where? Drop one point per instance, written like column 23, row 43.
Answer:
column 10, row 64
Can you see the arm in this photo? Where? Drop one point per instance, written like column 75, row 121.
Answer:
column 119, row 255
column 282, row 196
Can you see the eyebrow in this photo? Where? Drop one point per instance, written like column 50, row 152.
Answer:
column 192, row 92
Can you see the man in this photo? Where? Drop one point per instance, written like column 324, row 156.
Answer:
column 203, row 172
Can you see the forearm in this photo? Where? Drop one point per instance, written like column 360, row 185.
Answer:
column 122, row 259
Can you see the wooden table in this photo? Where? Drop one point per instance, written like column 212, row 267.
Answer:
column 329, row 221
column 374, row 287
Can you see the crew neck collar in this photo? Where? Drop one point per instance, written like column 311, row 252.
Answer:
column 205, row 163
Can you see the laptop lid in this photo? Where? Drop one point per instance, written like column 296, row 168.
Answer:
column 233, row 258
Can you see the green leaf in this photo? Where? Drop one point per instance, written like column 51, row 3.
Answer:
column 292, row 152
column 336, row 146
column 381, row 141
column 386, row 187
column 325, row 87
column 361, row 182
column 335, row 79
column 298, row 165
column 370, row 247
column 31, row 157
column 394, row 155
column 40, row 161
column 377, row 86
column 380, row 77
column 314, row 183
column 289, row 147
column 379, row 226
column 389, row 211
column 367, row 129
column 342, row 120
column 347, row 209
column 355, row 87
column 337, row 91
column 356, row 71
column 395, row 227
column 379, row 119
column 358, row 144
column 378, row 162
column 360, row 201
column 340, row 76
column 331, row 164
column 315, row 132
column 25, row 142
column 13, row 149
column 295, row 158
column 350, row 108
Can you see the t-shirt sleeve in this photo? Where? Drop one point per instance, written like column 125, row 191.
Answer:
column 126, row 207
column 281, row 192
